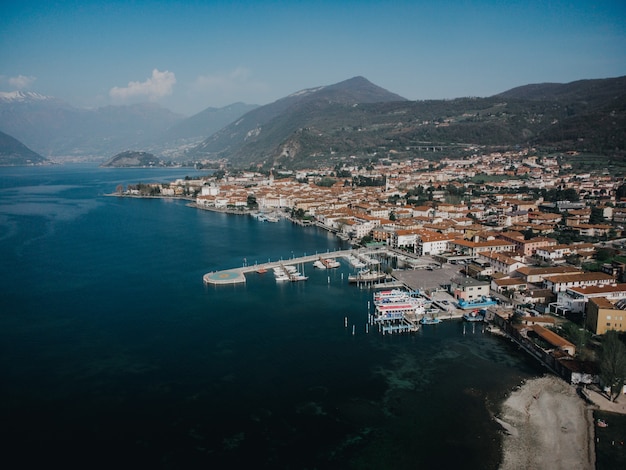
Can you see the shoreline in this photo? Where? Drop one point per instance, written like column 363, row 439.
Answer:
column 547, row 425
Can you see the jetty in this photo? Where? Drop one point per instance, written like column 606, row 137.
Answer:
column 238, row 275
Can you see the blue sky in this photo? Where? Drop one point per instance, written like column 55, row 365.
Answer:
column 190, row 55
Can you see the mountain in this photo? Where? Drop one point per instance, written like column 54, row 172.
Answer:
column 355, row 118
column 132, row 159
column 266, row 130
column 207, row 122
column 594, row 92
column 55, row 128
column 13, row 152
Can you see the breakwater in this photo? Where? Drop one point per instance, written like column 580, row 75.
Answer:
column 237, row 275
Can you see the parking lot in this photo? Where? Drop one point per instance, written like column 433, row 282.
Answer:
column 428, row 279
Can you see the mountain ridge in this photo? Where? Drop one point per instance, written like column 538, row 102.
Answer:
column 308, row 127
column 13, row 152
column 321, row 125
column 284, row 116
column 53, row 127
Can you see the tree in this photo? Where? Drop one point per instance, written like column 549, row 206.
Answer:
column 604, row 254
column 528, row 233
column 251, row 202
column 574, row 259
column 366, row 239
column 597, row 216
column 613, row 364
column 578, row 336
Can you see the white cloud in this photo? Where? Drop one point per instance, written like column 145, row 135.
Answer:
column 160, row 84
column 21, row 81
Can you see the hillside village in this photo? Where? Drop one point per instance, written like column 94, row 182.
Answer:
column 545, row 254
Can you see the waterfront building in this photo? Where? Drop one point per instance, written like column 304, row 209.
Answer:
column 575, row 299
column 468, row 288
column 604, row 315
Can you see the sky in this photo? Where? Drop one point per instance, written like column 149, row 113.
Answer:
column 191, row 55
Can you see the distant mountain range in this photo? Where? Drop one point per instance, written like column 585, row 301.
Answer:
column 323, row 125
column 56, row 129
column 13, row 152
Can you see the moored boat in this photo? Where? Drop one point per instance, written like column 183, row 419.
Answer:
column 430, row 320
column 476, row 303
column 330, row 263
column 366, row 276
column 395, row 296
column 473, row 316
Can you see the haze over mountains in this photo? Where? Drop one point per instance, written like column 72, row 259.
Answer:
column 318, row 125
column 13, row 152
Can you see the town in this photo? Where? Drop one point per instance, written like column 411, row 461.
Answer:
column 527, row 229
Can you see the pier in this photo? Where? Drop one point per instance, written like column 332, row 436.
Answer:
column 238, row 275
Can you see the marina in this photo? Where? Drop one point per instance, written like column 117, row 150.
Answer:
column 400, row 307
column 319, row 260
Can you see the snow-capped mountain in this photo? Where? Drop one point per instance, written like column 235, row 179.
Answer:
column 23, row 96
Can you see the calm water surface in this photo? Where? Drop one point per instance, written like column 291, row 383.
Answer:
column 114, row 354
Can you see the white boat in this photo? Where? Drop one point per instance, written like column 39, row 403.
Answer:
column 390, row 295
column 430, row 320
column 331, row 263
column 397, row 311
column 280, row 274
column 366, row 276
column 355, row 262
column 319, row 265
column 395, row 296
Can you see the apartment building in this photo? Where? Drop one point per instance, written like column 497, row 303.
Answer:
column 604, row 315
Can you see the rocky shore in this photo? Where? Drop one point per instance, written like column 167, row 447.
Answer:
column 548, row 426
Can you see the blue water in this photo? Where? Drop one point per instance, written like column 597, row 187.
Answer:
column 114, row 354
